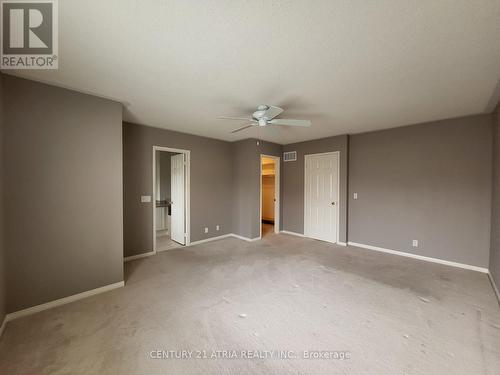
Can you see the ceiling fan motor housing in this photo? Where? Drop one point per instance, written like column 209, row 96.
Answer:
column 262, row 121
column 261, row 111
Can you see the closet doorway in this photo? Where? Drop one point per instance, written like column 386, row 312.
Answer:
column 269, row 195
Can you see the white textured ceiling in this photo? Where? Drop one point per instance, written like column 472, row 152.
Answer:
column 349, row 66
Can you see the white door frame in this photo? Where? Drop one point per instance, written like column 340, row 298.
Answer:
column 187, row 187
column 338, row 189
column 277, row 205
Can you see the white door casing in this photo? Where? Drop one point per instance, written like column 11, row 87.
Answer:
column 177, row 163
column 277, row 216
column 321, row 196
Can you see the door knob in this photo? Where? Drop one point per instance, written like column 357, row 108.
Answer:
column 333, row 203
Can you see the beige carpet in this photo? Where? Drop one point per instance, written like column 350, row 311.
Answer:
column 383, row 314
column 164, row 243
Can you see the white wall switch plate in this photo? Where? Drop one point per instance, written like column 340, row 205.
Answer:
column 217, row 227
column 206, row 230
column 415, row 243
column 355, row 196
column 145, row 198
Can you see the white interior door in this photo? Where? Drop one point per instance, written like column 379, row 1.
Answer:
column 321, row 196
column 178, row 198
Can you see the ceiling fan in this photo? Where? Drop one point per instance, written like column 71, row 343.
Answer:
column 265, row 116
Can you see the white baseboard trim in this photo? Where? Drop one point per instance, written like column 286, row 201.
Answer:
column 151, row 253
column 172, row 248
column 225, row 236
column 292, row 233
column 211, row 239
column 495, row 288
column 2, row 327
column 62, row 301
column 304, row 236
column 245, row 238
column 139, row 256
column 420, row 257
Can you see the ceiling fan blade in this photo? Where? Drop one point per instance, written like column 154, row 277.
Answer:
column 273, row 112
column 234, row 118
column 242, row 128
column 290, row 122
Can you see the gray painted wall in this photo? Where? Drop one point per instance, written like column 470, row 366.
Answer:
column 293, row 182
column 63, row 192
column 3, row 294
column 211, row 184
column 495, row 206
column 430, row 182
column 63, row 187
column 246, row 183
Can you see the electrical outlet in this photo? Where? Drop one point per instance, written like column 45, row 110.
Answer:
column 355, row 196
column 415, row 243
column 217, row 227
column 206, row 229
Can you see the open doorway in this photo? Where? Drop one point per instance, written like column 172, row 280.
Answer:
column 171, row 198
column 269, row 194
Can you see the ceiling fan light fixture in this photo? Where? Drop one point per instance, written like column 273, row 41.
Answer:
column 262, row 122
